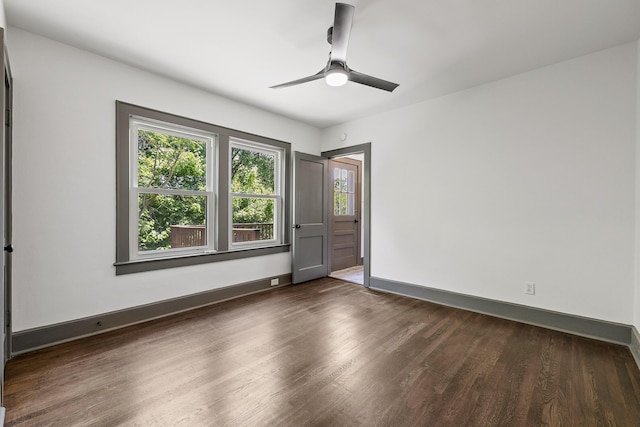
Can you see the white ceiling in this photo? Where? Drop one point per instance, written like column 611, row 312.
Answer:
column 239, row 48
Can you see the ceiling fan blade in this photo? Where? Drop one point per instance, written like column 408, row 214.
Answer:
column 341, row 31
column 364, row 79
column 318, row 75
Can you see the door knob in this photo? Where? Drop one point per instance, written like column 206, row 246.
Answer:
column 297, row 226
column 355, row 220
column 9, row 248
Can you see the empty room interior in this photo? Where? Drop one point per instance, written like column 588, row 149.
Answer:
column 317, row 213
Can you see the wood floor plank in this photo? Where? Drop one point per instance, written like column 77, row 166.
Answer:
column 325, row 353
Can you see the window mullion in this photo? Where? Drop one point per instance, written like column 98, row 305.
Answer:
column 212, row 179
column 224, row 202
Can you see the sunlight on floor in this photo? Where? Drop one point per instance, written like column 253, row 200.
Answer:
column 351, row 274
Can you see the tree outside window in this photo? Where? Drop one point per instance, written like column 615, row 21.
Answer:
column 172, row 189
column 254, row 191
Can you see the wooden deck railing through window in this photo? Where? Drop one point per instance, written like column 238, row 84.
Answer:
column 265, row 230
column 186, row 236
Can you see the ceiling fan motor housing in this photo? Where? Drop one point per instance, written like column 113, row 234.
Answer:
column 339, row 65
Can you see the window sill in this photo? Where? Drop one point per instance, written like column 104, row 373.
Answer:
column 137, row 266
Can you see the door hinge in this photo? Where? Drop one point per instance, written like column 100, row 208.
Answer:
column 7, row 118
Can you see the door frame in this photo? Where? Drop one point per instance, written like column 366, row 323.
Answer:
column 6, row 203
column 366, row 201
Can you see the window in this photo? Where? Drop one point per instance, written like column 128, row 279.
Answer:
column 172, row 199
column 190, row 192
column 344, row 189
column 256, row 202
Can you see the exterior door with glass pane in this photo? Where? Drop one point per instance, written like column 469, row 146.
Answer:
column 345, row 236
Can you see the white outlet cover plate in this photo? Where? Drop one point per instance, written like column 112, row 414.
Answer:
column 529, row 288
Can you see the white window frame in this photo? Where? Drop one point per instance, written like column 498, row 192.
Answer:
column 277, row 196
column 210, row 139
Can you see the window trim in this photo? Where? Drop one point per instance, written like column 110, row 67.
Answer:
column 125, row 263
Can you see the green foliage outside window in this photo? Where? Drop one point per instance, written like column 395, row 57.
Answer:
column 252, row 172
column 170, row 162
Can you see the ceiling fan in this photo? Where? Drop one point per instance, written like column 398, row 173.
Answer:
column 336, row 72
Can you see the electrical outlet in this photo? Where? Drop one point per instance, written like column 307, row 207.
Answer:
column 275, row 282
column 529, row 288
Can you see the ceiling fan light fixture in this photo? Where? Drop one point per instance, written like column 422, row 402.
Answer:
column 336, row 77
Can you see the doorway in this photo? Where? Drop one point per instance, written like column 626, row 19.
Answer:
column 311, row 234
column 349, row 227
column 345, row 224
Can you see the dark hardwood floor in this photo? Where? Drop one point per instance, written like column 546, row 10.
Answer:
column 326, row 353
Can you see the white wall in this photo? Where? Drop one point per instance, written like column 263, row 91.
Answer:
column 64, row 182
column 530, row 178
